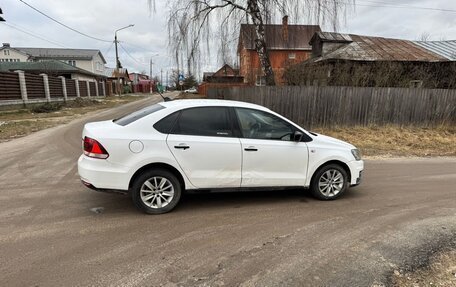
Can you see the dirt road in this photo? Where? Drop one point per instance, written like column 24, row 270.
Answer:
column 49, row 236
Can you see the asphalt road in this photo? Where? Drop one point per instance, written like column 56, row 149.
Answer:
column 404, row 211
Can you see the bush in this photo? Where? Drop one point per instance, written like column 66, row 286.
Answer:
column 126, row 89
column 46, row 108
column 81, row 102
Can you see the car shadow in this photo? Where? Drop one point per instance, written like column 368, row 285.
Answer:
column 191, row 201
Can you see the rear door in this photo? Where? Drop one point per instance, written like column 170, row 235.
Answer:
column 204, row 145
column 270, row 156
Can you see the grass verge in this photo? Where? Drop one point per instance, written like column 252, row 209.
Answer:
column 440, row 272
column 396, row 141
column 21, row 122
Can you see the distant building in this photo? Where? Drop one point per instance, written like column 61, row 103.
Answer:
column 88, row 59
column 226, row 74
column 136, row 78
column 113, row 75
column 286, row 45
column 355, row 60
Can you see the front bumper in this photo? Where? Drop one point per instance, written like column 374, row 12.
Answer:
column 356, row 170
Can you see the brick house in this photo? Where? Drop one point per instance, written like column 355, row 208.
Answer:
column 286, row 44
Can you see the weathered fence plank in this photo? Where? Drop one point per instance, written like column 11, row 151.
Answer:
column 313, row 106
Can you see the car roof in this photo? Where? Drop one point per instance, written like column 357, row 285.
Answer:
column 187, row 103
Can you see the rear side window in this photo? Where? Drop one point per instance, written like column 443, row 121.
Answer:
column 166, row 124
column 128, row 119
column 205, row 121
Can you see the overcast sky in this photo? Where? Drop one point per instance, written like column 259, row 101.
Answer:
column 149, row 37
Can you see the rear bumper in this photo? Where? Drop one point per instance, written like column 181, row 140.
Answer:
column 356, row 170
column 101, row 175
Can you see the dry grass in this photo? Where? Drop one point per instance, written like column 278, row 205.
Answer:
column 393, row 141
column 440, row 272
column 21, row 122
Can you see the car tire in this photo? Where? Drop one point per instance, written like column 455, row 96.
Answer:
column 156, row 191
column 329, row 182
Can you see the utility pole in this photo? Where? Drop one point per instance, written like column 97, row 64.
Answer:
column 167, row 83
column 150, row 71
column 161, row 77
column 117, row 58
column 150, row 75
column 117, row 65
column 1, row 18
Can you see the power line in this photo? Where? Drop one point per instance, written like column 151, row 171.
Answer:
column 137, row 47
column 66, row 26
column 121, row 46
column 33, row 35
column 109, row 49
column 392, row 5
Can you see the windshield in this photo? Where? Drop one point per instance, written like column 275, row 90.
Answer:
column 128, row 119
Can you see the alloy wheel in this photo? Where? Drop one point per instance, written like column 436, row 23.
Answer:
column 157, row 192
column 331, row 183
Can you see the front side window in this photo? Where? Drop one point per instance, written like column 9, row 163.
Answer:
column 257, row 124
column 205, row 121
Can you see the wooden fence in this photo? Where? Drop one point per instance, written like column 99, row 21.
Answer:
column 332, row 106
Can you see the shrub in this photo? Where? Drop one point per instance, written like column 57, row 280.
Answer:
column 46, row 108
column 81, row 102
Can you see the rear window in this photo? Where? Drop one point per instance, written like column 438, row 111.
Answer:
column 166, row 124
column 128, row 119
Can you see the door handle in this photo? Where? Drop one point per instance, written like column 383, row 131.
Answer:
column 251, row 148
column 184, row 147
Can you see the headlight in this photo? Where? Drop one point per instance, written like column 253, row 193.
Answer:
column 356, row 153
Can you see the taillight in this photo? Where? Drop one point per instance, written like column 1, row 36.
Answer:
column 93, row 148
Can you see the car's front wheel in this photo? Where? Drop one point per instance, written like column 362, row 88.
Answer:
column 329, row 182
column 156, row 191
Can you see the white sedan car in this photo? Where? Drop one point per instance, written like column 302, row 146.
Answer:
column 158, row 152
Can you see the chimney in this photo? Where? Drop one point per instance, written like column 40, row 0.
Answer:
column 285, row 28
column 6, row 45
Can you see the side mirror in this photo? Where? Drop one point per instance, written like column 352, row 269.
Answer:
column 297, row 136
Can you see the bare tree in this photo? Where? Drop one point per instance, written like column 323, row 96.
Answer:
column 424, row 37
column 194, row 24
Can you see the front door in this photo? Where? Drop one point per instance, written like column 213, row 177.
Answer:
column 203, row 144
column 269, row 155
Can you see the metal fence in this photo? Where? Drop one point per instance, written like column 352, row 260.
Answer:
column 332, row 106
column 9, row 86
column 19, row 87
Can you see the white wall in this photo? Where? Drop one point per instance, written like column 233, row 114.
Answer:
column 82, row 77
column 10, row 55
column 91, row 66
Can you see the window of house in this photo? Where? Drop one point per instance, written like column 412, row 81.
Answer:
column 260, row 81
column 6, row 52
column 292, row 56
column 72, row 63
column 99, row 66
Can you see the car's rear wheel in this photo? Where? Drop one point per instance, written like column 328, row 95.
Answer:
column 329, row 182
column 156, row 191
